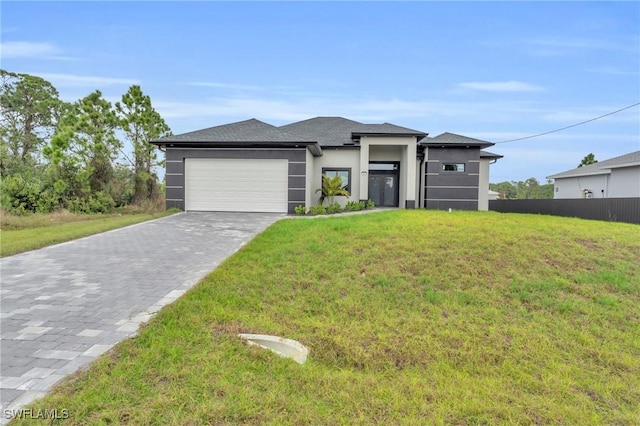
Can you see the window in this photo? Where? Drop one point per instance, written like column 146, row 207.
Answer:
column 383, row 166
column 345, row 174
column 453, row 167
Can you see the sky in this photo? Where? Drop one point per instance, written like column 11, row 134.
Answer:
column 495, row 71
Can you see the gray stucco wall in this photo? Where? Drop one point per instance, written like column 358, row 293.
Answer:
column 625, row 182
column 455, row 190
column 622, row 182
column 574, row 187
column 175, row 170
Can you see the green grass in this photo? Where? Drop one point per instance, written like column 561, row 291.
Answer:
column 412, row 317
column 24, row 233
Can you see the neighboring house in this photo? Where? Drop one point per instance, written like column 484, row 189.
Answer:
column 256, row 167
column 494, row 195
column 617, row 177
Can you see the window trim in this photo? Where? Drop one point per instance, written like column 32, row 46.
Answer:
column 444, row 167
column 340, row 169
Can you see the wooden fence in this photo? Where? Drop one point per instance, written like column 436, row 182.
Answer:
column 609, row 209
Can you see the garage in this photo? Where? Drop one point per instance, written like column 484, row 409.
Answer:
column 236, row 185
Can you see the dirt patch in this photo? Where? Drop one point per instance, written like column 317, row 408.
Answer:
column 588, row 244
column 229, row 328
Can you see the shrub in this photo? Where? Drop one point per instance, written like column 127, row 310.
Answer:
column 354, row 206
column 300, row 210
column 370, row 204
column 20, row 193
column 316, row 210
column 334, row 208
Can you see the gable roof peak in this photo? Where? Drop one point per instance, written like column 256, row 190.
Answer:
column 454, row 139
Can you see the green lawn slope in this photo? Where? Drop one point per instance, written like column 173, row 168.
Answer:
column 411, row 317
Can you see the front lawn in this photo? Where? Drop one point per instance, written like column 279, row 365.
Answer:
column 24, row 233
column 411, row 317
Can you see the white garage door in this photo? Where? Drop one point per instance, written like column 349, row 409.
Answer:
column 236, row 185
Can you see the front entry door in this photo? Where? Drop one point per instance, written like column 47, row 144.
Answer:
column 384, row 179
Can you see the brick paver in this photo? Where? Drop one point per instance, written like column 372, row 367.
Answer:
column 64, row 305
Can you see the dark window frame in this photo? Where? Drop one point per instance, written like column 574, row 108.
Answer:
column 340, row 169
column 454, row 167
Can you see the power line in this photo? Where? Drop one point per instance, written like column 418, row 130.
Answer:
column 573, row 125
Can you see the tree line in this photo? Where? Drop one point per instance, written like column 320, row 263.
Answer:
column 531, row 188
column 60, row 155
column 523, row 190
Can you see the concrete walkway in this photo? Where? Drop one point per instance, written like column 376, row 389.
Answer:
column 64, row 305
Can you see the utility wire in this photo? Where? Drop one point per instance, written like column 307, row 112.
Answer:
column 573, row 125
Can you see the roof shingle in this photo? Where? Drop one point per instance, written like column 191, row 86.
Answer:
column 452, row 139
column 339, row 131
column 242, row 131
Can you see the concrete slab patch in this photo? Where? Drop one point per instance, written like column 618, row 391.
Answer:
column 90, row 333
column 34, row 330
column 129, row 326
column 45, row 384
column 55, row 354
column 13, row 382
column 39, row 373
column 96, row 350
column 33, row 323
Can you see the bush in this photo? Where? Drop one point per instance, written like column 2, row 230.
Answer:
column 300, row 210
column 354, row 206
column 100, row 202
column 20, row 193
column 334, row 208
column 370, row 204
column 316, row 210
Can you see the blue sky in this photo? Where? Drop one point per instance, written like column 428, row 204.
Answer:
column 490, row 70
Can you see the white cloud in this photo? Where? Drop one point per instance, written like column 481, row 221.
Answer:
column 561, row 46
column 287, row 91
column 285, row 110
column 614, row 71
column 95, row 82
column 231, row 86
column 499, row 86
column 27, row 49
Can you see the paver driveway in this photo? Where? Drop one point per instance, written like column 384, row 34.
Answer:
column 64, row 305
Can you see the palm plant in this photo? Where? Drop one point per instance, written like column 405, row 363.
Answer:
column 331, row 187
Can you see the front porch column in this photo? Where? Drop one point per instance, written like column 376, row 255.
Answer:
column 410, row 174
column 364, row 170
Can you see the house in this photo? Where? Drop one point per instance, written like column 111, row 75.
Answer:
column 617, row 177
column 253, row 166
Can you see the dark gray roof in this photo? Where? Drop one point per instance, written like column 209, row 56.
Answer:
column 487, row 154
column 339, row 131
column 315, row 132
column 243, row 131
column 452, row 139
column 386, row 129
column 602, row 167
